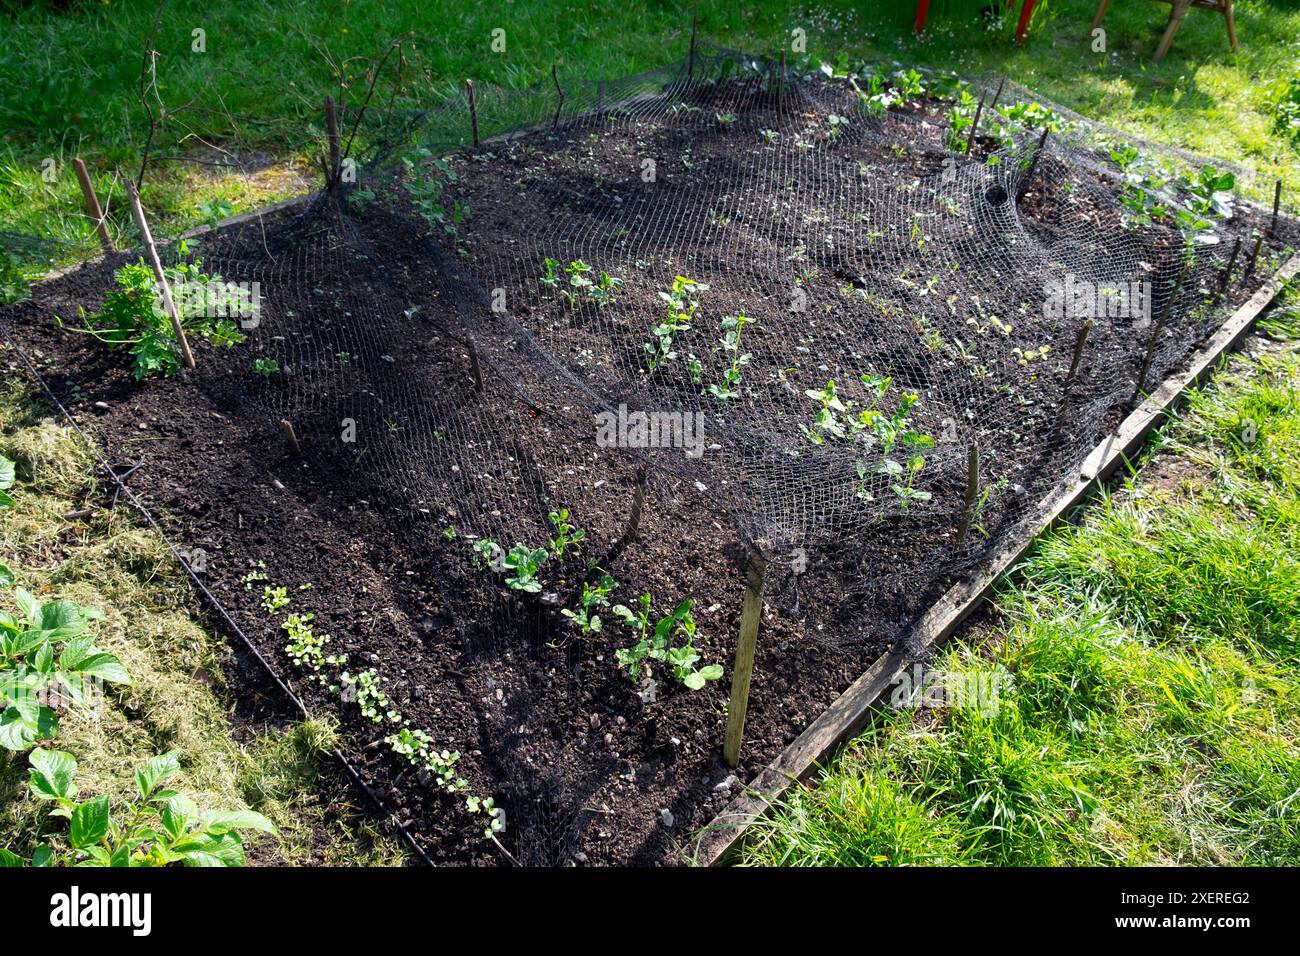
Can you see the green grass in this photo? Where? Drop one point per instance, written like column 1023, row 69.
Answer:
column 177, row 698
column 69, row 81
column 1149, row 704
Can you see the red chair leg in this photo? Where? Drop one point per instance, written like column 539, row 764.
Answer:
column 1026, row 11
column 922, row 11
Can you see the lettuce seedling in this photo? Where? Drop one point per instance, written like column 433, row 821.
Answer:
column 157, row 828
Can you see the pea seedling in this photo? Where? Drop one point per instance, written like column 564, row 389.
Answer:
column 566, row 535
column 585, row 618
column 657, row 644
column 682, row 306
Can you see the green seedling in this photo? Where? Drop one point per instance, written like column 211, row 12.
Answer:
column 567, row 535
column 658, row 645
column 732, row 328
column 273, row 599
column 682, row 306
column 132, row 315
column 265, row 367
column 519, row 565
column 585, row 617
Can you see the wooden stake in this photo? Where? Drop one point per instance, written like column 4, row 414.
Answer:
column 1155, row 332
column 970, row 140
column 1079, row 343
column 1033, row 164
column 638, row 502
column 690, row 59
column 993, row 105
column 972, row 488
column 92, row 204
column 473, row 110
column 1267, row 233
column 1227, row 273
column 336, row 150
column 290, row 436
column 137, row 212
column 743, row 669
column 560, row 102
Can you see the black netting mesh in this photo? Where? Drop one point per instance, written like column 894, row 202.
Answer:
column 862, row 301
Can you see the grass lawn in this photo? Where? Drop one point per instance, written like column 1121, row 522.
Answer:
column 1149, row 701
column 1136, row 698
column 70, row 81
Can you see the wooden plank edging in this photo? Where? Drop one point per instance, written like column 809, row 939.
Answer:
column 853, row 709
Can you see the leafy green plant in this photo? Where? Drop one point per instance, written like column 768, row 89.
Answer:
column 306, row 648
column 659, row 644
column 13, row 281
column 45, row 655
column 274, row 598
column 585, row 617
column 732, row 328
column 212, row 211
column 369, row 696
column 132, row 314
column 519, row 565
column 265, row 367
column 158, row 827
column 567, row 535
column 1211, row 193
column 425, row 183
column 682, row 306
column 7, row 477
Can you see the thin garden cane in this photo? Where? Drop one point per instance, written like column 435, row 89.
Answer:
column 1267, row 233
column 972, row 489
column 291, row 437
column 559, row 104
column 742, row 671
column 93, row 209
column 638, row 502
column 137, row 212
column 974, row 127
column 1033, row 165
column 1226, row 277
column 473, row 111
column 1079, row 342
column 1155, row 332
column 690, row 57
column 333, row 173
column 475, row 369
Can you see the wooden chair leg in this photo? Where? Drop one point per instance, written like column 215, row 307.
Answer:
column 1101, row 13
column 1171, row 31
column 1232, row 26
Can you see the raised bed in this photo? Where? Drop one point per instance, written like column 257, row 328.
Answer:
column 371, row 315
